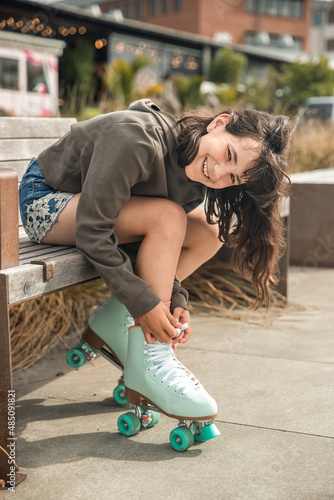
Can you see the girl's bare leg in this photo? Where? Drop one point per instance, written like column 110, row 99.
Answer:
column 172, row 243
column 62, row 232
column 199, row 244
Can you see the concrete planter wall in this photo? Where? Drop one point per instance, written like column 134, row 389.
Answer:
column 312, row 219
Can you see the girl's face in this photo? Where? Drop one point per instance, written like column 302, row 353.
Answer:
column 222, row 158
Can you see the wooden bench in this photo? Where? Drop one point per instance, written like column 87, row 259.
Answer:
column 29, row 270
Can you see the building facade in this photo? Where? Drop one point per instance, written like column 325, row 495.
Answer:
column 322, row 30
column 277, row 23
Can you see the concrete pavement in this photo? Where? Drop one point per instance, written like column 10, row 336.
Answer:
column 272, row 377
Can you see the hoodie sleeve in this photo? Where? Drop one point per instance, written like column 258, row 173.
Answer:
column 115, row 166
column 180, row 296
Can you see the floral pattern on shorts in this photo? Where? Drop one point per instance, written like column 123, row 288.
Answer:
column 43, row 213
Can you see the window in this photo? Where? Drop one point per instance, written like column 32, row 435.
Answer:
column 317, row 19
column 284, row 8
column 273, row 40
column 331, row 16
column 154, row 9
column 296, row 9
column 128, row 10
column 37, row 79
column 273, row 7
column 9, row 74
column 140, row 9
column 330, row 45
column 165, row 6
column 178, row 5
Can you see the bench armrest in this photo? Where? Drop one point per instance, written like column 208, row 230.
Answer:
column 9, row 219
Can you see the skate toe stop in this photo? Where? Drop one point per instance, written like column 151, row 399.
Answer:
column 208, row 432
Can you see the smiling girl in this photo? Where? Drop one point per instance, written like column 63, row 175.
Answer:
column 128, row 183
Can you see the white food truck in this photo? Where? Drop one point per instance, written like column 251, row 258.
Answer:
column 29, row 75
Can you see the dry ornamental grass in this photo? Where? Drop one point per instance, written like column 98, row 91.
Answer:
column 313, row 146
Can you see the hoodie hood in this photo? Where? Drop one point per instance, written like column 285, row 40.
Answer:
column 169, row 126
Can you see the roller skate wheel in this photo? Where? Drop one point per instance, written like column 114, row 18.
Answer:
column 128, row 424
column 76, row 357
column 181, row 438
column 155, row 415
column 119, row 394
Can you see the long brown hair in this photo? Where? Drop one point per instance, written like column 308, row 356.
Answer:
column 248, row 215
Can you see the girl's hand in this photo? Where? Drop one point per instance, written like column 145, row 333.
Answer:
column 159, row 324
column 183, row 316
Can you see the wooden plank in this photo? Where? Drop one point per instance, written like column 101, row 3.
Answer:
column 9, row 227
column 29, row 243
column 23, row 235
column 23, row 149
column 16, row 128
column 26, row 281
column 6, row 382
column 37, row 249
column 52, row 255
column 18, row 166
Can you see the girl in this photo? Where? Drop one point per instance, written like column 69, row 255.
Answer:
column 131, row 181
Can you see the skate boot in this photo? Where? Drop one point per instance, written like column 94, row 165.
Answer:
column 107, row 333
column 155, row 380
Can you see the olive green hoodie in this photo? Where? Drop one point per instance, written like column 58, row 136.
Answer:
column 108, row 159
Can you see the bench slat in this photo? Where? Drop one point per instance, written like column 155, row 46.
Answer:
column 22, row 149
column 18, row 166
column 37, row 249
column 26, row 282
column 17, row 128
column 29, row 243
column 53, row 254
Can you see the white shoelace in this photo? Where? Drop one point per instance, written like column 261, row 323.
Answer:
column 163, row 357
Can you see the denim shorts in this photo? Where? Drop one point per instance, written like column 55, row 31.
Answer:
column 40, row 204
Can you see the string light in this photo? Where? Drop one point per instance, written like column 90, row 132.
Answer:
column 34, row 25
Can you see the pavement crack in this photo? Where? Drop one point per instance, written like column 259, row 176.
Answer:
column 261, row 356
column 274, row 429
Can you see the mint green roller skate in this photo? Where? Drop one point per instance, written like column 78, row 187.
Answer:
column 106, row 333
column 156, row 381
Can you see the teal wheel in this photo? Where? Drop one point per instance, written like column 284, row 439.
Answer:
column 181, row 438
column 119, row 394
column 76, row 357
column 128, row 424
column 155, row 418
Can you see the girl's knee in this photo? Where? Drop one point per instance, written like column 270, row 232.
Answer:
column 170, row 216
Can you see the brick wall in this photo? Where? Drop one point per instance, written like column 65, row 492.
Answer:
column 205, row 17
